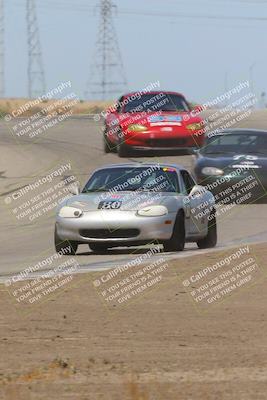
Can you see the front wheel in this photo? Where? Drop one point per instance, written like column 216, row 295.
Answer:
column 210, row 240
column 65, row 247
column 106, row 146
column 177, row 241
column 123, row 150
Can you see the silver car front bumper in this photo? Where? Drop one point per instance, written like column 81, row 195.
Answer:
column 115, row 226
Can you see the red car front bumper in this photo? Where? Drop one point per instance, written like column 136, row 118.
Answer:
column 151, row 139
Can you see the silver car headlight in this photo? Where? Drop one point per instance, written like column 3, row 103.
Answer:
column 212, row 171
column 153, row 211
column 70, row 212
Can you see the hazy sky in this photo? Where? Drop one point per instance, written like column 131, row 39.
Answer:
column 190, row 55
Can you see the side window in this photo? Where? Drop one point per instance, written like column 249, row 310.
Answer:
column 188, row 181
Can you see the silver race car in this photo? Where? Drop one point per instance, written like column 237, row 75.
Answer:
column 135, row 204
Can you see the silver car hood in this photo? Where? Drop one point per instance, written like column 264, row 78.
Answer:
column 130, row 201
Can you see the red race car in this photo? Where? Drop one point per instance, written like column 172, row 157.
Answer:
column 152, row 121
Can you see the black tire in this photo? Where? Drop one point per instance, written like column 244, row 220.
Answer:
column 67, row 247
column 98, row 248
column 211, row 239
column 107, row 145
column 123, row 150
column 177, row 241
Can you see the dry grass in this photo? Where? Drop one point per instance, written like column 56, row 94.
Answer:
column 135, row 392
column 7, row 106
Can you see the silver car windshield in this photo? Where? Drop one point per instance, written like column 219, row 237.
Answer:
column 154, row 179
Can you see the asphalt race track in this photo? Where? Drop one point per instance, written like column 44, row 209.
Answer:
column 79, row 140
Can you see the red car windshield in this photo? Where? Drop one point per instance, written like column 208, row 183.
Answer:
column 153, row 102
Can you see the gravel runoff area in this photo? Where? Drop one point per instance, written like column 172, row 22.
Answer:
column 171, row 340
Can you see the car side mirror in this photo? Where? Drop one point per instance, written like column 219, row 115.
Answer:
column 197, row 191
column 195, row 152
column 75, row 189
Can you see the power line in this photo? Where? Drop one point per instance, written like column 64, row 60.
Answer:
column 81, row 7
column 107, row 76
column 244, row 2
column 52, row 5
column 36, row 77
column 194, row 16
column 68, row 7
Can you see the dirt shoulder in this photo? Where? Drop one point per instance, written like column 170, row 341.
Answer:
column 162, row 345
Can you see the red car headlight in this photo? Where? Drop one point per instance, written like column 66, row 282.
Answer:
column 195, row 127
column 136, row 128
